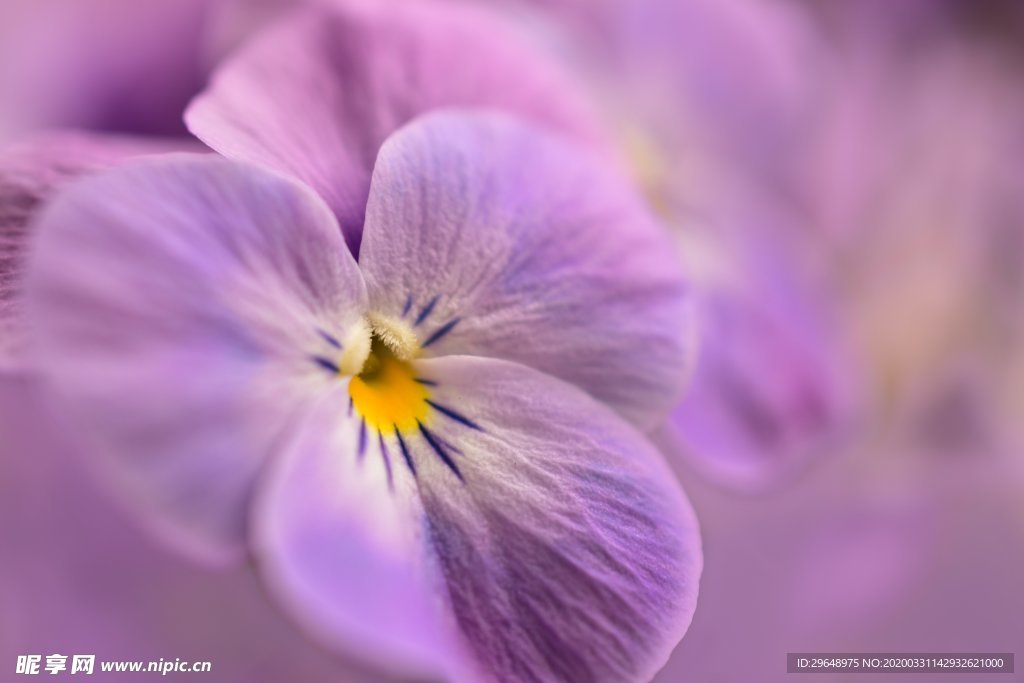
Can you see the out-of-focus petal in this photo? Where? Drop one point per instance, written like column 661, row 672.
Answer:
column 30, row 172
column 112, row 65
column 740, row 75
column 490, row 238
column 548, row 527
column 232, row 22
column 742, row 68
column 176, row 303
column 355, row 73
column 771, row 387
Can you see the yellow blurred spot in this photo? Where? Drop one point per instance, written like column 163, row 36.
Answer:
column 649, row 169
column 386, row 393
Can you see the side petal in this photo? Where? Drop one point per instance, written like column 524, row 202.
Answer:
column 178, row 306
column 30, row 172
column 530, row 517
column 489, row 238
column 357, row 72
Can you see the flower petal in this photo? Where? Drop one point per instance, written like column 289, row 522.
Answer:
column 339, row 534
column 771, row 390
column 178, row 304
column 492, row 239
column 30, row 172
column 357, row 72
column 548, row 527
column 570, row 551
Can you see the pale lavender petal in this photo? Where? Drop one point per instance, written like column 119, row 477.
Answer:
column 339, row 534
column 488, row 238
column 179, row 306
column 30, row 172
column 318, row 94
column 771, row 388
column 542, row 523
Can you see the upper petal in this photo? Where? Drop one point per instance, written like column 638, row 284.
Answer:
column 356, row 72
column 177, row 303
column 30, row 172
column 539, row 523
column 490, row 238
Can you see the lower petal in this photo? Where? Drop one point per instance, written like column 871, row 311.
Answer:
column 340, row 535
column 569, row 550
column 517, row 508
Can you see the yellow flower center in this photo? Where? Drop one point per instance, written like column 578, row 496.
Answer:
column 387, row 393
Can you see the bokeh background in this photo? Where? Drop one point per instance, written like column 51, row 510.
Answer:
column 846, row 183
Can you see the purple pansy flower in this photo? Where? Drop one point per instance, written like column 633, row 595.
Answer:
column 425, row 450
